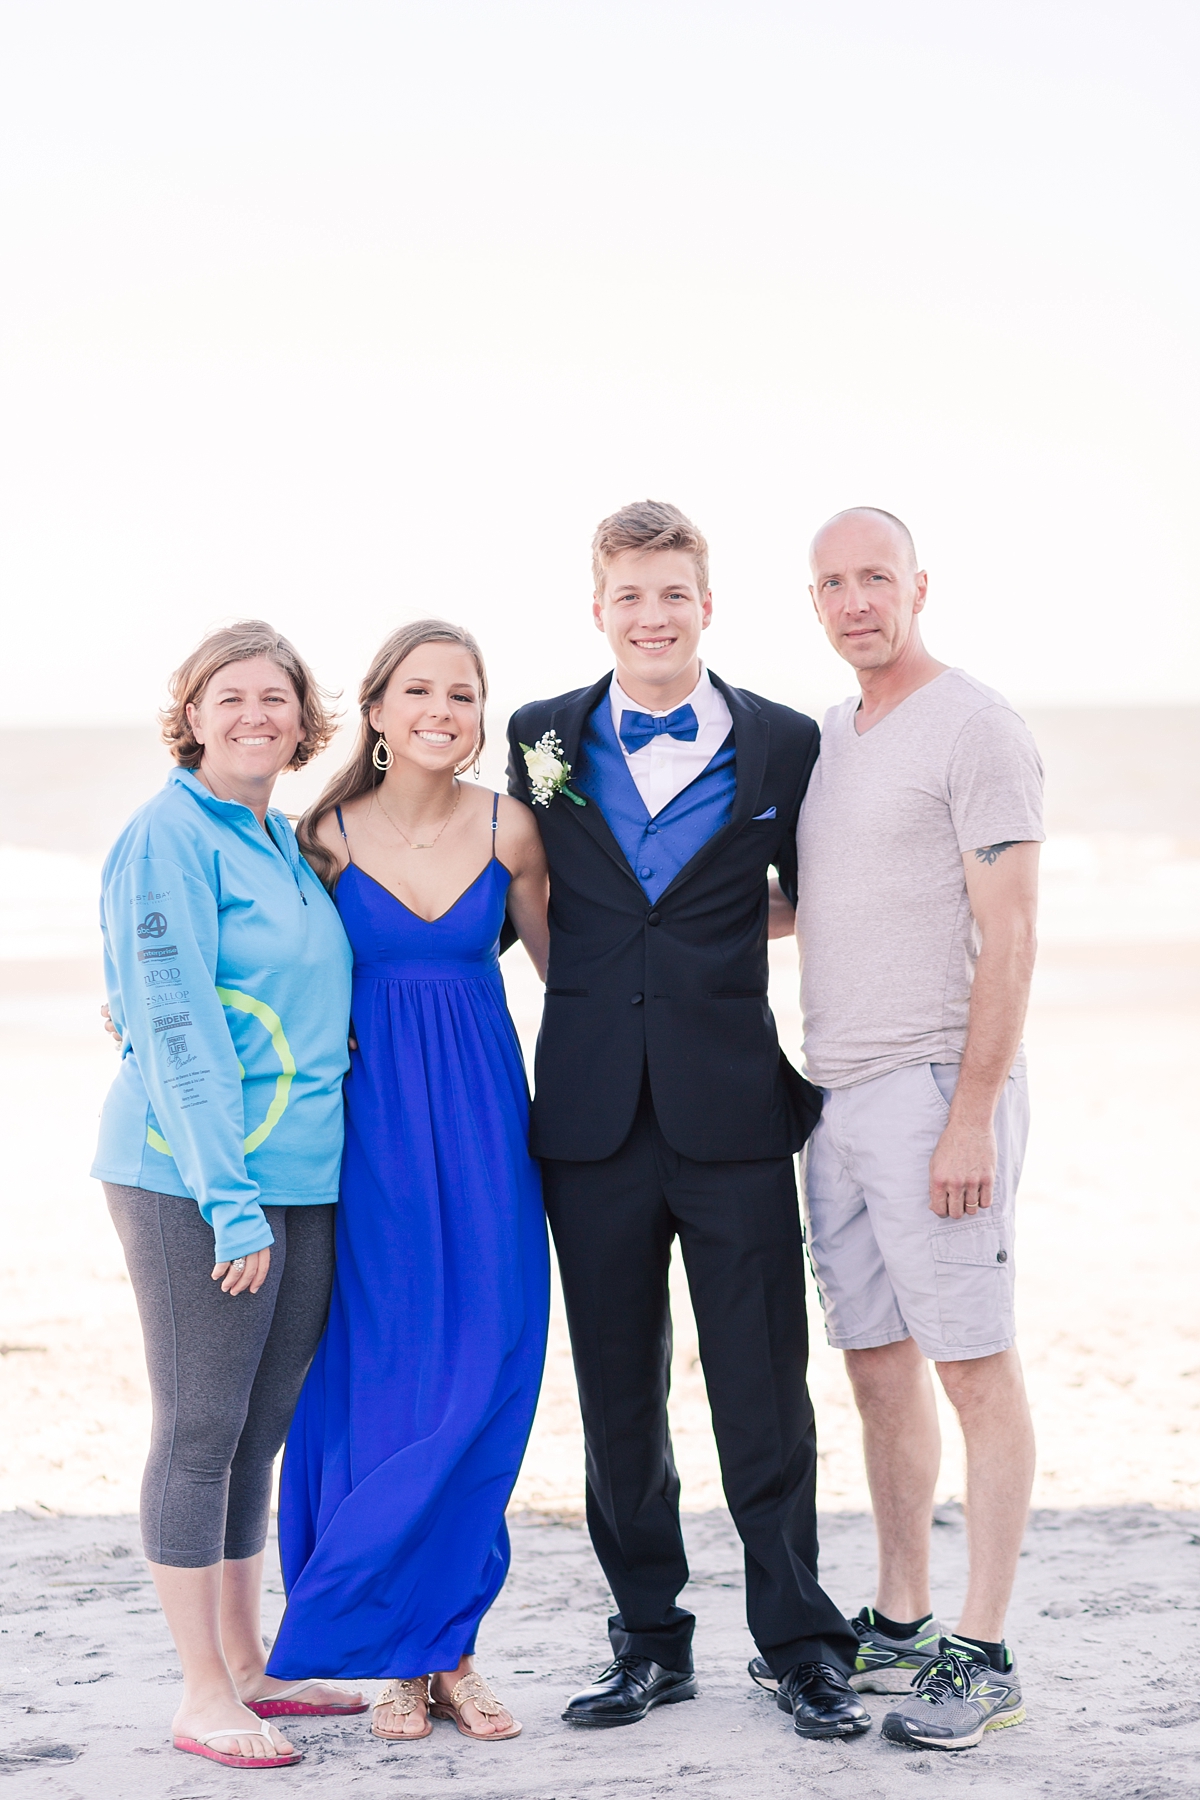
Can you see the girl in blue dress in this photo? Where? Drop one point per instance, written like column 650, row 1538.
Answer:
column 414, row 1418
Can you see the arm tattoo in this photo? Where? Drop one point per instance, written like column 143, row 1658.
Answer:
column 989, row 852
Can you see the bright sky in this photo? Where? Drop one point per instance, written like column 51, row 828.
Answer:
column 345, row 313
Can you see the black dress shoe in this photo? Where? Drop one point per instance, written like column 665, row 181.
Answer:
column 759, row 1669
column 822, row 1702
column 627, row 1690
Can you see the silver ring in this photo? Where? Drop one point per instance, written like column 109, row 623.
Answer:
column 239, row 1263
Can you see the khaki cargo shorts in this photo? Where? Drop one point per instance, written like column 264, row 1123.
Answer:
column 886, row 1266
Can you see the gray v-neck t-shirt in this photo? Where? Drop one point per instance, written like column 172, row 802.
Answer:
column 887, row 940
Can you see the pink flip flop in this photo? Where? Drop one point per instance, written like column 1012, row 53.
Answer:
column 285, row 1704
column 204, row 1747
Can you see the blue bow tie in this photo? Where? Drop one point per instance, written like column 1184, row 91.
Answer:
column 639, row 729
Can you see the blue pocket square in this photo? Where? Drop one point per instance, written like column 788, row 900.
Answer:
column 769, row 814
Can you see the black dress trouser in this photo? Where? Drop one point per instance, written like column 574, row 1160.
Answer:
column 739, row 1230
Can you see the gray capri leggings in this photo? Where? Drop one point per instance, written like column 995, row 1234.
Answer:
column 225, row 1372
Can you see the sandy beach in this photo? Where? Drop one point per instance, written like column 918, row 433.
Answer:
column 1105, row 1613
column 339, row 319
column 1105, row 1619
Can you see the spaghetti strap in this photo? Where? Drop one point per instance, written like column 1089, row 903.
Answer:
column 495, row 805
column 345, row 839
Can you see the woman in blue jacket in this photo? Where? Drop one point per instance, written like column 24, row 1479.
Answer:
column 220, row 1148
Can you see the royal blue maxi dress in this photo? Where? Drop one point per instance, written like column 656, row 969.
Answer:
column 414, row 1418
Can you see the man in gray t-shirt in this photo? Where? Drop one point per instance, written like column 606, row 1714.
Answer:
column 884, row 917
column 918, row 845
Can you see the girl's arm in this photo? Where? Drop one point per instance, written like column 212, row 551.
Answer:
column 519, row 847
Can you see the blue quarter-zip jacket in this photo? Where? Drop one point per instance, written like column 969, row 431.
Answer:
column 229, row 977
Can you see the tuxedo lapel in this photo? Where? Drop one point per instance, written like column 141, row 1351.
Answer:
column 568, row 723
column 751, row 736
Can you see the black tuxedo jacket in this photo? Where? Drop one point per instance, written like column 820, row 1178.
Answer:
column 678, row 988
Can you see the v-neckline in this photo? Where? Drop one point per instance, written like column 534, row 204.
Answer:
column 899, row 706
column 420, row 917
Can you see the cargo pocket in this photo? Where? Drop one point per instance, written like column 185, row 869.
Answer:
column 973, row 1268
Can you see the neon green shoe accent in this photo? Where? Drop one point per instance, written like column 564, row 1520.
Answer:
column 273, row 1026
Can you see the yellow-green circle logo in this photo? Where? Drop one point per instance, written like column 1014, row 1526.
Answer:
column 270, row 1022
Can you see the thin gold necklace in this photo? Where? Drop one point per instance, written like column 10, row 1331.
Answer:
column 433, row 840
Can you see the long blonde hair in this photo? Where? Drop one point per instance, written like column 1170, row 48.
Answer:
column 360, row 775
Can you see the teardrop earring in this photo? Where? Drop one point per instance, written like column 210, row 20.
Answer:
column 387, row 758
column 472, row 762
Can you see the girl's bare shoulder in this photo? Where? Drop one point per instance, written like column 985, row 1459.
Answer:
column 518, row 840
column 515, row 818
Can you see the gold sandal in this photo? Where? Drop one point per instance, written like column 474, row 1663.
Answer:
column 405, row 1696
column 473, row 1688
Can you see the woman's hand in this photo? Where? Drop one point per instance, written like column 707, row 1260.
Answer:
column 244, row 1272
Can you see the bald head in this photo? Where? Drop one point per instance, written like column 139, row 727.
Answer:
column 884, row 522
column 868, row 590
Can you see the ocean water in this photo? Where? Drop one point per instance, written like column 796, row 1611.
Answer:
column 1121, row 866
column 1107, row 1322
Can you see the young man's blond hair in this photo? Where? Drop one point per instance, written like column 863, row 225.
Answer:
column 645, row 526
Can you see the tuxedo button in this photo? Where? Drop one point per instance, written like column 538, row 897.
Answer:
column 653, row 918
column 652, row 831
column 635, row 1000
column 645, row 874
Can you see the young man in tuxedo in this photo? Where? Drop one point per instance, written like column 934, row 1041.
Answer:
column 664, row 1108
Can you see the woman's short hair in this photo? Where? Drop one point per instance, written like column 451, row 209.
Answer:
column 241, row 642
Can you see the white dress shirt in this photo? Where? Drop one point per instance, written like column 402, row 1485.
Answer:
column 666, row 765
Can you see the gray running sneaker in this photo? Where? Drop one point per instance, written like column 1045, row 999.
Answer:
column 956, row 1697
column 886, row 1665
column 759, row 1669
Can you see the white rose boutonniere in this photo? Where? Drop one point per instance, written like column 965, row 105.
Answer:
column 549, row 773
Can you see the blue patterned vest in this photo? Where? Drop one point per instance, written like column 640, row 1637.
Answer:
column 655, row 849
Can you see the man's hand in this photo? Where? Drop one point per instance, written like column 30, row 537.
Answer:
column 962, row 1170
column 781, row 914
column 111, row 1029
column 1002, row 889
